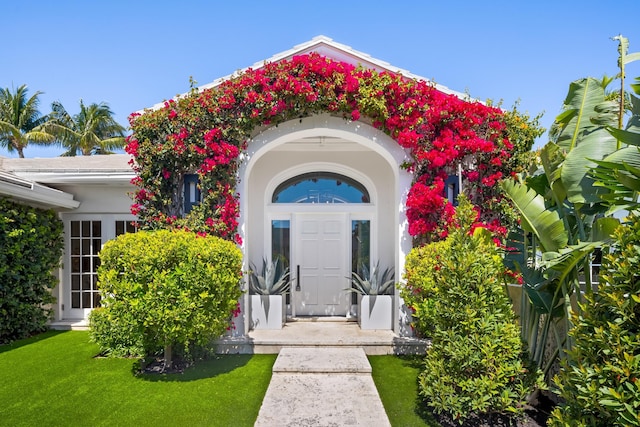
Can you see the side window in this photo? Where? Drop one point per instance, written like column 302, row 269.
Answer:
column 125, row 227
column 191, row 192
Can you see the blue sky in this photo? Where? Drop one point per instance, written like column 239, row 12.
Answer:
column 134, row 54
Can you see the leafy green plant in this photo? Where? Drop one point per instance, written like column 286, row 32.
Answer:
column 600, row 380
column 420, row 289
column 92, row 131
column 272, row 279
column 30, row 249
column 117, row 332
column 166, row 288
column 372, row 282
column 477, row 363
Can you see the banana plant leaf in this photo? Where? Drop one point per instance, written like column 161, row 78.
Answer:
column 603, row 229
column 546, row 224
column 574, row 123
column 626, row 136
column 575, row 170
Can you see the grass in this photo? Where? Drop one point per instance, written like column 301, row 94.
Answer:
column 396, row 380
column 55, row 379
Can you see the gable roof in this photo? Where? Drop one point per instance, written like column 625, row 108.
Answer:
column 329, row 48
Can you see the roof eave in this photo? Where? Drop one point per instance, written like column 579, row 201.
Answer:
column 38, row 195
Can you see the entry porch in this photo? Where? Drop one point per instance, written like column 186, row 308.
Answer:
column 322, row 332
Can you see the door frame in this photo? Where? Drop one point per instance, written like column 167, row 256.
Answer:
column 291, row 212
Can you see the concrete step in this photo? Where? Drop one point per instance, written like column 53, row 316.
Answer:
column 352, row 360
column 322, row 334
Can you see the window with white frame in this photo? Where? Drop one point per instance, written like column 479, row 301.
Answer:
column 85, row 236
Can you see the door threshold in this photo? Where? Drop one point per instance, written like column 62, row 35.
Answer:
column 321, row 319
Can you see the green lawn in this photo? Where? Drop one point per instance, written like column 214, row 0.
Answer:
column 396, row 381
column 54, row 379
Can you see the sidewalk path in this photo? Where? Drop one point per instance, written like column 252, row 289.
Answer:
column 322, row 386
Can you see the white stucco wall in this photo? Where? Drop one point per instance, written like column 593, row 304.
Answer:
column 100, row 198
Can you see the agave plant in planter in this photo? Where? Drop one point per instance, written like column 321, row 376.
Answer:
column 375, row 303
column 267, row 288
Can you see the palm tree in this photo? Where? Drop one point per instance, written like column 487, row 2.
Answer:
column 20, row 120
column 92, row 131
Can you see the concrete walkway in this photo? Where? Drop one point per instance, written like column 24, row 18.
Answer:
column 322, row 386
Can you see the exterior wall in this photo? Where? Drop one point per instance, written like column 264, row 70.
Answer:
column 100, row 198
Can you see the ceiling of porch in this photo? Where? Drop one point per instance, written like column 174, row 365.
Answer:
column 321, row 143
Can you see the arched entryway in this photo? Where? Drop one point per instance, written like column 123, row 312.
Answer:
column 324, row 232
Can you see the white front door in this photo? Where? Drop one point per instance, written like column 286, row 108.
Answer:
column 320, row 264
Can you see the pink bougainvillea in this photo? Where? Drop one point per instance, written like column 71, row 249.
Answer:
column 204, row 132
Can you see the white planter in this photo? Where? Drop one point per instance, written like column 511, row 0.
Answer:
column 267, row 311
column 375, row 311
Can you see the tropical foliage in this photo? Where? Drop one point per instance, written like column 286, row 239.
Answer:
column 564, row 207
column 30, row 249
column 165, row 288
column 20, row 120
column 92, row 131
column 599, row 382
column 562, row 210
column 205, row 132
column 476, row 363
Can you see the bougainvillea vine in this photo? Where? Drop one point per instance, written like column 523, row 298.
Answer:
column 206, row 131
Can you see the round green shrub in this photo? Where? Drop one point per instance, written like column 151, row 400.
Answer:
column 164, row 288
column 30, row 250
column 477, row 362
column 600, row 380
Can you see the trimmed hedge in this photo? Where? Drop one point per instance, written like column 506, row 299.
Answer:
column 165, row 288
column 31, row 245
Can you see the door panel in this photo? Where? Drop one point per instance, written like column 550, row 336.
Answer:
column 321, row 254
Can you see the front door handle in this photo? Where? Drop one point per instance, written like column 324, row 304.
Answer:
column 298, row 278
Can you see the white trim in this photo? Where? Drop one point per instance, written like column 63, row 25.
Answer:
column 99, row 178
column 30, row 192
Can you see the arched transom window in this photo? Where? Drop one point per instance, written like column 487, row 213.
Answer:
column 321, row 187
